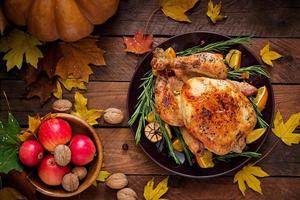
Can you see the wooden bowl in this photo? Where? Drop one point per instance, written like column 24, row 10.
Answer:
column 78, row 126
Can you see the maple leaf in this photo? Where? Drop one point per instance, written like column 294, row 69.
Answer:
column 16, row 45
column 33, row 125
column 213, row 12
column 159, row 191
column 285, row 130
column 139, row 44
column 76, row 59
column 69, row 84
column 176, row 9
column 267, row 55
column 89, row 115
column 248, row 175
column 58, row 91
column 103, row 175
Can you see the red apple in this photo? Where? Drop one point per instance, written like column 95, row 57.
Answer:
column 53, row 132
column 82, row 150
column 31, row 153
column 51, row 173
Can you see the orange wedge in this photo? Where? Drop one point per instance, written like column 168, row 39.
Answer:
column 170, row 53
column 261, row 97
column 177, row 145
column 234, row 58
column 255, row 135
column 205, row 160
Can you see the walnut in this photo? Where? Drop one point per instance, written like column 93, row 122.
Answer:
column 80, row 172
column 62, row 105
column 113, row 116
column 70, row 182
column 127, row 194
column 116, row 181
column 62, row 155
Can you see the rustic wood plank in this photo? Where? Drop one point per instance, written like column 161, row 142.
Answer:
column 258, row 18
column 134, row 161
column 190, row 189
column 121, row 65
column 114, row 94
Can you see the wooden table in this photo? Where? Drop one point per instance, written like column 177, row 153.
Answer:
column 275, row 21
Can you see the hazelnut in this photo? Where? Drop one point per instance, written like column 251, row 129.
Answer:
column 127, row 194
column 113, row 116
column 80, row 172
column 62, row 155
column 62, row 105
column 116, row 181
column 70, row 182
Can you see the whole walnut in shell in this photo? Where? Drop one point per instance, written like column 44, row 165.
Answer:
column 80, row 172
column 70, row 182
column 62, row 155
column 113, row 116
column 116, row 181
column 127, row 194
column 62, row 105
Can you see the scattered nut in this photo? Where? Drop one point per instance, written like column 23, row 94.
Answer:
column 152, row 132
column 127, row 194
column 62, row 105
column 70, row 182
column 116, row 181
column 62, row 155
column 113, row 116
column 80, row 172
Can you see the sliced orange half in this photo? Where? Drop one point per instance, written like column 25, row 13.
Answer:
column 255, row 135
column 234, row 58
column 261, row 97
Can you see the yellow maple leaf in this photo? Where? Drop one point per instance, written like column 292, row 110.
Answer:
column 33, row 125
column 69, row 84
column 267, row 55
column 159, row 191
column 285, row 130
column 248, row 175
column 58, row 92
column 89, row 115
column 176, row 9
column 103, row 175
column 213, row 12
column 76, row 59
column 16, row 45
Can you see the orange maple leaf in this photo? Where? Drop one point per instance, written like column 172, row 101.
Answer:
column 139, row 44
column 76, row 59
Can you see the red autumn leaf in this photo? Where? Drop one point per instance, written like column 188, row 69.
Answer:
column 139, row 44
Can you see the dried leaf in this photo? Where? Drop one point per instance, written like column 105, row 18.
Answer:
column 103, row 175
column 95, row 183
column 159, row 191
column 17, row 45
column 33, row 125
column 213, row 12
column 76, row 59
column 43, row 87
column 9, row 193
column 29, row 74
column 248, row 175
column 139, row 44
column 58, row 91
column 3, row 21
column 267, row 55
column 176, row 9
column 91, row 115
column 285, row 130
column 69, row 84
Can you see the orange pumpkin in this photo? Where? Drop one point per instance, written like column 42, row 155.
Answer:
column 68, row 20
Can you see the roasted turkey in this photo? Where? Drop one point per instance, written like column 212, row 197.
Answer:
column 212, row 111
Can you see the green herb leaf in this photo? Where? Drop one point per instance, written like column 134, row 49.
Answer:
column 9, row 145
column 253, row 70
column 229, row 156
column 261, row 122
column 186, row 151
column 220, row 47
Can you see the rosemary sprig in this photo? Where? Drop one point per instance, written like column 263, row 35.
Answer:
column 229, row 156
column 220, row 47
column 185, row 147
column 261, row 122
column 144, row 106
column 253, row 70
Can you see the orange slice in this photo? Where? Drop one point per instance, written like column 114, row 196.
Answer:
column 170, row 53
column 261, row 97
column 205, row 160
column 177, row 145
column 255, row 135
column 234, row 58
